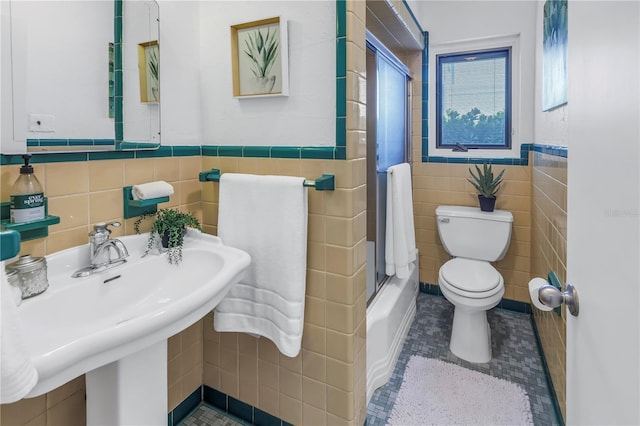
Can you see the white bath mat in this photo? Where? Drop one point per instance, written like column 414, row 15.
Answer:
column 434, row 392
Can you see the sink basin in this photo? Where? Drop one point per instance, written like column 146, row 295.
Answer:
column 81, row 324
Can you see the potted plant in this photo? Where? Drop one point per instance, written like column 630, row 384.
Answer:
column 169, row 227
column 486, row 185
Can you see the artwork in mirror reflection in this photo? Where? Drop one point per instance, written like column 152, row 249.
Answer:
column 148, row 54
column 141, row 62
column 66, row 93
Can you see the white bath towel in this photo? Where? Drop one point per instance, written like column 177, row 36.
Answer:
column 267, row 217
column 400, row 247
column 17, row 373
column 156, row 189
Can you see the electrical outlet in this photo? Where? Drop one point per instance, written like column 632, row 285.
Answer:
column 42, row 123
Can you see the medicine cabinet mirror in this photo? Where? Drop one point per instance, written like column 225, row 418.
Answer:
column 74, row 87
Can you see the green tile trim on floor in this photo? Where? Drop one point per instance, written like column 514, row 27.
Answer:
column 239, row 409
column 552, row 390
column 183, row 409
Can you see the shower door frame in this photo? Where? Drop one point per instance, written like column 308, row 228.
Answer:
column 377, row 179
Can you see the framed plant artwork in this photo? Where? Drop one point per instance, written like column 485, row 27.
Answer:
column 554, row 54
column 149, row 67
column 259, row 58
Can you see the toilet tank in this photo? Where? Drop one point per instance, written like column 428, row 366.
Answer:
column 473, row 234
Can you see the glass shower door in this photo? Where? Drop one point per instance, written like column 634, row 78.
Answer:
column 387, row 145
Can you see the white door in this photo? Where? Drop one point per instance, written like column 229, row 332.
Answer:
column 603, row 356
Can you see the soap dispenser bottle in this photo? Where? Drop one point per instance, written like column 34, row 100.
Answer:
column 27, row 196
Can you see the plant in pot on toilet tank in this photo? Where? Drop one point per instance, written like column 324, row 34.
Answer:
column 486, row 185
column 169, row 228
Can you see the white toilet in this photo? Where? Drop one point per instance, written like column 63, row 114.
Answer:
column 474, row 238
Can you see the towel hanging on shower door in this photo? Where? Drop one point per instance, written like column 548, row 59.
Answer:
column 400, row 248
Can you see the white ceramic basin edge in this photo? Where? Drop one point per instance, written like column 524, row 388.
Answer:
column 80, row 324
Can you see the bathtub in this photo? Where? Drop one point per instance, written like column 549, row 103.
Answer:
column 389, row 319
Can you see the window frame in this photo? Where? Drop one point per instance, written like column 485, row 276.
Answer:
column 459, row 57
column 519, row 76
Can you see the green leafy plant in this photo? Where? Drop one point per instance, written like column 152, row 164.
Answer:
column 173, row 223
column 153, row 65
column 262, row 50
column 153, row 71
column 484, row 181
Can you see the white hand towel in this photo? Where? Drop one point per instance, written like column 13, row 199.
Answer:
column 149, row 190
column 267, row 217
column 400, row 247
column 17, row 373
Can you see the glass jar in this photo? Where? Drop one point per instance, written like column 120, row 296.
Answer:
column 32, row 273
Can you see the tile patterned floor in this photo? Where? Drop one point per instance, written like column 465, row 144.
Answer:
column 206, row 415
column 515, row 358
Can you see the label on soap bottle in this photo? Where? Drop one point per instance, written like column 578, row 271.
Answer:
column 27, row 208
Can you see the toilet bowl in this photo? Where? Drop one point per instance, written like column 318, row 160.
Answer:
column 469, row 281
column 473, row 287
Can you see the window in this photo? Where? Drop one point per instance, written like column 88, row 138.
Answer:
column 473, row 100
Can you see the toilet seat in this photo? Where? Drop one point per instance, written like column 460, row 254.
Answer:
column 471, row 278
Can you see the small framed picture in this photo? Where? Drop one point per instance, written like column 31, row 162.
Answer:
column 259, row 58
column 149, row 67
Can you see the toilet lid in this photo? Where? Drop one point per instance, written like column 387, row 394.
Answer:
column 470, row 275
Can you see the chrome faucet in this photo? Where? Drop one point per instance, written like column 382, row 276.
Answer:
column 100, row 248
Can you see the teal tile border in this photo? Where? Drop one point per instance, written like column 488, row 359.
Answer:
column 117, row 71
column 226, row 403
column 341, row 80
column 239, row 409
column 163, row 151
column 69, row 142
column 256, row 151
column 300, row 152
column 318, row 153
column 185, row 408
column 545, row 367
column 285, row 151
column 555, row 150
column 210, row 150
column 230, row 151
column 186, row 151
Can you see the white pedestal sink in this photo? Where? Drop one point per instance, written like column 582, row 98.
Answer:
column 114, row 325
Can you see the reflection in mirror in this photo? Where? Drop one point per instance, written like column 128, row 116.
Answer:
column 60, row 76
column 141, row 73
column 64, row 62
